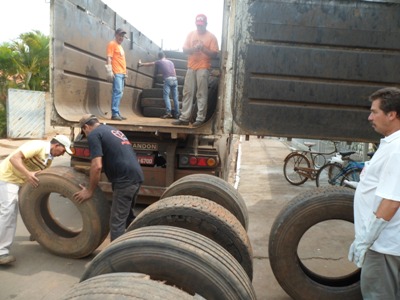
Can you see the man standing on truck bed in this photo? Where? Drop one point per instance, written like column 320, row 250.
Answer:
column 116, row 72
column 19, row 167
column 111, row 150
column 376, row 247
column 167, row 69
column 201, row 45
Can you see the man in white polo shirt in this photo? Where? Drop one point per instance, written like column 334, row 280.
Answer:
column 376, row 247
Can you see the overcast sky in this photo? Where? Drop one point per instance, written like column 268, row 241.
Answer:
column 166, row 22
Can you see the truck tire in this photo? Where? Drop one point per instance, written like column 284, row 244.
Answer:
column 304, row 211
column 178, row 257
column 133, row 286
column 212, row 188
column 152, row 93
column 204, row 217
column 175, row 55
column 47, row 230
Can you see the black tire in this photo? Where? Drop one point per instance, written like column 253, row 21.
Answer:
column 152, row 93
column 212, row 188
column 292, row 162
column 153, row 112
column 329, row 175
column 179, row 257
column 153, row 102
column 303, row 212
column 351, row 175
column 115, row 286
column 50, row 233
column 204, row 217
column 175, row 55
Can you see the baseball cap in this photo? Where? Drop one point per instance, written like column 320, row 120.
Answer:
column 63, row 140
column 201, row 20
column 86, row 118
column 120, row 31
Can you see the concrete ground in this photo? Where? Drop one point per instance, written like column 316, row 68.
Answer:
column 37, row 274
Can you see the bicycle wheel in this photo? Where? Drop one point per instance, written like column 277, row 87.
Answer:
column 319, row 160
column 351, row 175
column 329, row 174
column 295, row 168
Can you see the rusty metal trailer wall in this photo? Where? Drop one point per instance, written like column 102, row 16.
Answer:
column 306, row 68
column 80, row 32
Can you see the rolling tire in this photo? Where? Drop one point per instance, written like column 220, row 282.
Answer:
column 304, row 211
column 204, row 217
column 35, row 211
column 132, row 286
column 212, row 188
column 179, row 257
column 293, row 161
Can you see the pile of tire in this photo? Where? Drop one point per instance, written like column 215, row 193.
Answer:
column 151, row 100
column 193, row 241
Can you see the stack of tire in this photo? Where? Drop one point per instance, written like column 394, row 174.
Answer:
column 151, row 100
column 190, row 244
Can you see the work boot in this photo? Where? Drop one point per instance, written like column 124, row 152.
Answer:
column 6, row 259
column 167, row 116
column 116, row 118
column 197, row 123
column 180, row 122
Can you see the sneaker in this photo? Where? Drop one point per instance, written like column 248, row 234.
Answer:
column 122, row 118
column 180, row 122
column 116, row 117
column 166, row 116
column 197, row 123
column 6, row 259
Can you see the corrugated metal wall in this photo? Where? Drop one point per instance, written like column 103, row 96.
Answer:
column 26, row 114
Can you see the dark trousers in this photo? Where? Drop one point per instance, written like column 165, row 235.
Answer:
column 122, row 209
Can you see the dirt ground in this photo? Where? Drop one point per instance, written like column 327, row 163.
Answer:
column 38, row 274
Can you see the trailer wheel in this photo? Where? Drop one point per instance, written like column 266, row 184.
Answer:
column 204, row 217
column 124, row 286
column 212, row 188
column 47, row 230
column 178, row 257
column 303, row 212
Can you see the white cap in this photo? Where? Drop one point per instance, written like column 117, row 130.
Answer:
column 63, row 140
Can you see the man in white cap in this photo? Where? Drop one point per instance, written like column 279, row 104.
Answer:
column 19, row 167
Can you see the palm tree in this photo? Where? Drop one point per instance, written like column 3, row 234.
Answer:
column 31, row 58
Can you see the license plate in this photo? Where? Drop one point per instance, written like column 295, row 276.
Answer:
column 146, row 159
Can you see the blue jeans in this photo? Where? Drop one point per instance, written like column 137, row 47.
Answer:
column 171, row 84
column 117, row 92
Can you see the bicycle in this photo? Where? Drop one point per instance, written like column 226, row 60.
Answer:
column 301, row 165
column 336, row 172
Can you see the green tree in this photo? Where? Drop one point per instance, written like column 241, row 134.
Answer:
column 24, row 64
column 31, row 59
column 8, row 71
